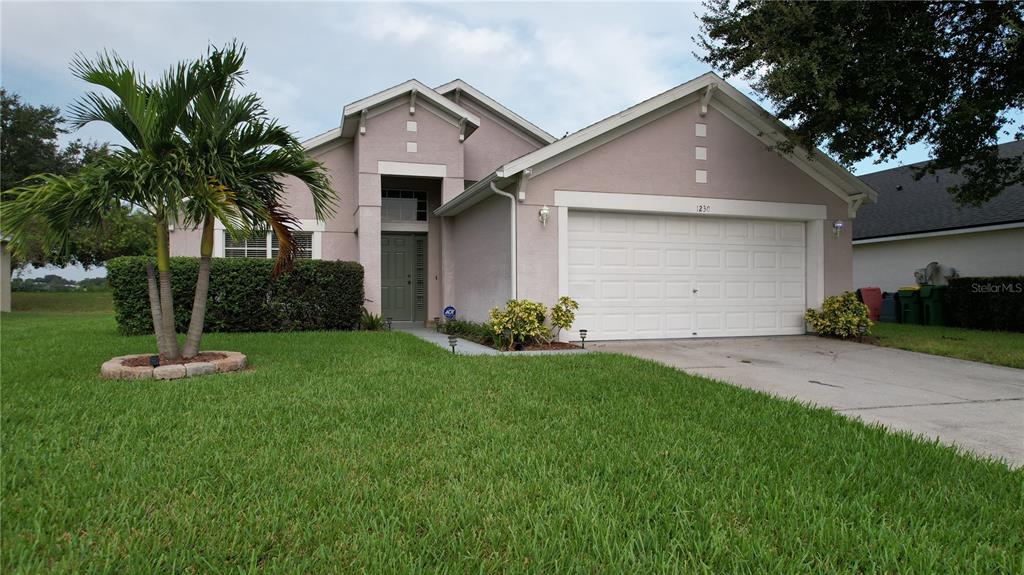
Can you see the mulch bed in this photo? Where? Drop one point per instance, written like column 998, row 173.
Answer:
column 555, row 345
column 143, row 361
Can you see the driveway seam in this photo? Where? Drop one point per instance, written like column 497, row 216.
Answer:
column 930, row 404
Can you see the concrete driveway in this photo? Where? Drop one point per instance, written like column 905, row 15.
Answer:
column 973, row 405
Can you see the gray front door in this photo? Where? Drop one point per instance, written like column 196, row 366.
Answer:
column 402, row 275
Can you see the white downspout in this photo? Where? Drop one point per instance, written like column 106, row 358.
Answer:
column 512, row 238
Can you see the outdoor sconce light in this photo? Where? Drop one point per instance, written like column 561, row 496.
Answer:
column 837, row 227
column 389, row 324
column 583, row 338
column 542, row 215
column 154, row 361
column 452, row 342
column 437, row 324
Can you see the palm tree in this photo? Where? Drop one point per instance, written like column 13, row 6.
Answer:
column 150, row 174
column 196, row 153
column 245, row 157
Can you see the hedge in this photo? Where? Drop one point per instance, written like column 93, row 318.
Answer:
column 315, row 295
column 993, row 303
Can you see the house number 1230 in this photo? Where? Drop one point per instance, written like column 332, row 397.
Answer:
column 703, row 209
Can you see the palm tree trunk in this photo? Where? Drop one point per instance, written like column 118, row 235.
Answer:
column 154, row 309
column 195, row 324
column 163, row 266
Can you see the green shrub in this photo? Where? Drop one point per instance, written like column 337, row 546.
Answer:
column 563, row 313
column 315, row 295
column 991, row 303
column 481, row 333
column 371, row 321
column 840, row 316
column 521, row 321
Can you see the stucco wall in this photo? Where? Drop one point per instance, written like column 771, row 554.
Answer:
column 890, row 265
column 338, row 240
column 481, row 249
column 494, row 143
column 659, row 158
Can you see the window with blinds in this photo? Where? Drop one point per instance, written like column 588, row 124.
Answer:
column 304, row 240
column 255, row 246
column 264, row 245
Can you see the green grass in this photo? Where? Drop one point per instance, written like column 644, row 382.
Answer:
column 995, row 347
column 63, row 302
column 377, row 452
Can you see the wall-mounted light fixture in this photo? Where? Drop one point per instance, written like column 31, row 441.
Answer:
column 837, row 227
column 542, row 215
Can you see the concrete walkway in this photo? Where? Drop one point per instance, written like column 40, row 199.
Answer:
column 973, row 405
column 466, row 347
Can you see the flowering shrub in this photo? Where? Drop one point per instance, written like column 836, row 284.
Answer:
column 522, row 320
column 840, row 316
column 563, row 313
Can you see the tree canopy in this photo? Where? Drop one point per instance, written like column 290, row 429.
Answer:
column 30, row 147
column 865, row 79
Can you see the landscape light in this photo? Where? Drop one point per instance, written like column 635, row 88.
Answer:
column 583, row 338
column 453, row 341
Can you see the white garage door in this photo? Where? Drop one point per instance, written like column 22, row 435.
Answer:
column 641, row 276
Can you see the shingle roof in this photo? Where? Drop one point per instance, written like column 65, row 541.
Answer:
column 925, row 205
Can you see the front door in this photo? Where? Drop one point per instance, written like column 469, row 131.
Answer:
column 401, row 275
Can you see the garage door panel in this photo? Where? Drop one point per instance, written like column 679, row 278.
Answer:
column 644, row 276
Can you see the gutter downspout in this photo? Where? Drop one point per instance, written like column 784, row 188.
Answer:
column 513, row 237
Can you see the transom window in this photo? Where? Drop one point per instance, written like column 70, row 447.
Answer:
column 264, row 245
column 403, row 206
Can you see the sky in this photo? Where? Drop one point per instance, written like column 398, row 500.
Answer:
column 561, row 66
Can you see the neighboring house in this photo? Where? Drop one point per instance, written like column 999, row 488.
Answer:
column 673, row 218
column 914, row 223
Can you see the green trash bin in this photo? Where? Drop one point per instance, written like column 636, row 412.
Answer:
column 910, row 305
column 933, row 305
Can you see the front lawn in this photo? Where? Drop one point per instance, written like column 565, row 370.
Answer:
column 995, row 347
column 378, row 452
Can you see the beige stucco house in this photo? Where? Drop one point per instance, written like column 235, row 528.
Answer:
column 673, row 218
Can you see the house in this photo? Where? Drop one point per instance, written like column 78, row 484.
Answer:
column 673, row 218
column 916, row 222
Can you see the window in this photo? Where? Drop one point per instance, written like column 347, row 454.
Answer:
column 302, row 239
column 253, row 247
column 403, row 206
column 264, row 245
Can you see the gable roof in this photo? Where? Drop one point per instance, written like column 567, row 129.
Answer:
column 906, row 206
column 465, row 89
column 709, row 89
column 351, row 115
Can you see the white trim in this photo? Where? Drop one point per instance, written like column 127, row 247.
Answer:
column 956, row 232
column 688, row 205
column 488, row 102
column 736, row 106
column 814, row 236
column 412, row 169
column 563, row 258
column 321, row 139
column 814, row 266
column 314, row 226
column 417, row 227
column 355, row 109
